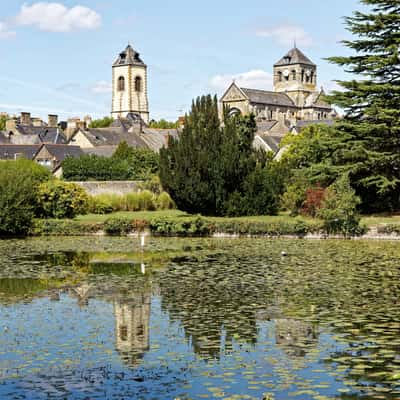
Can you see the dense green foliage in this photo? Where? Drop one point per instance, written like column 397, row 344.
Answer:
column 19, row 181
column 163, row 124
column 126, row 163
column 3, row 120
column 101, row 123
column 140, row 201
column 141, row 163
column 339, row 209
column 214, row 170
column 58, row 199
column 365, row 144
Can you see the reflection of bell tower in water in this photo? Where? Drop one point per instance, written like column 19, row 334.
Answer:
column 132, row 319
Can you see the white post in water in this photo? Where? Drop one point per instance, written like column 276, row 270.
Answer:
column 143, row 268
column 142, row 240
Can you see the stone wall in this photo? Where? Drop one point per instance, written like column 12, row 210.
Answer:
column 110, row 187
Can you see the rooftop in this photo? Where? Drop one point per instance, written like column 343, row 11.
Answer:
column 294, row 56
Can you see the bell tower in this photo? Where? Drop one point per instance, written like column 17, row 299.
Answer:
column 129, row 85
column 296, row 75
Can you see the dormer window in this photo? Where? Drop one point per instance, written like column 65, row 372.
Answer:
column 121, row 84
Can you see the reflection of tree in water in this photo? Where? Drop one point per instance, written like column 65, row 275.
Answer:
column 214, row 305
column 294, row 336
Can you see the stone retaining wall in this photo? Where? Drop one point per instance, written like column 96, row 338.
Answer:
column 110, row 187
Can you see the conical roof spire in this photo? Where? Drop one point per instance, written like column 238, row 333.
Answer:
column 294, row 56
column 129, row 57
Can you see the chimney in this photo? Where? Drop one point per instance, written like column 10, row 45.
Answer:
column 53, row 121
column 25, row 118
column 11, row 125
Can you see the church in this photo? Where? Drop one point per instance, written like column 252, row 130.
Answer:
column 294, row 103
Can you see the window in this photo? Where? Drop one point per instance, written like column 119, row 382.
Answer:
column 138, row 84
column 312, row 76
column 302, row 75
column 121, row 84
column 280, row 76
column 294, row 75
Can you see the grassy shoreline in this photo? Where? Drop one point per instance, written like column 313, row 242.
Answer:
column 180, row 224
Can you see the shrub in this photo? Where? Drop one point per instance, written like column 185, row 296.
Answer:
column 339, row 209
column 164, row 202
column 180, row 227
column 146, row 201
column 295, row 195
column 314, row 198
column 117, row 226
column 59, row 199
column 19, row 181
column 55, row 227
column 132, row 202
column 153, row 184
column 99, row 205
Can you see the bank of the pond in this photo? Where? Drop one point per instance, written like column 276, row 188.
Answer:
column 183, row 225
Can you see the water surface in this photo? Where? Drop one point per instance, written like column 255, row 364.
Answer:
column 95, row 318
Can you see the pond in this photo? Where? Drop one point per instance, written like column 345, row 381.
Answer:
column 96, row 318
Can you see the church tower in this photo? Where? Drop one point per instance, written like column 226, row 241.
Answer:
column 296, row 75
column 129, row 85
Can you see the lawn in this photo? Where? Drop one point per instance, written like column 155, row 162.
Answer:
column 369, row 220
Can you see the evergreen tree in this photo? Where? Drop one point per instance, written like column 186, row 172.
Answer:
column 214, row 170
column 367, row 141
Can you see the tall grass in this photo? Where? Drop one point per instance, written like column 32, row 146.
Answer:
column 135, row 201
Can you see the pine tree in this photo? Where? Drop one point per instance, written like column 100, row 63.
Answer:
column 367, row 141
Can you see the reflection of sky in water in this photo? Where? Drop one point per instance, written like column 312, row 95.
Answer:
column 222, row 319
column 58, row 349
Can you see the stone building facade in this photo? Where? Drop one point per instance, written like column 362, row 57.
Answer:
column 295, row 96
column 129, row 86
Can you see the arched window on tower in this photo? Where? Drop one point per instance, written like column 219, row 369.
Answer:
column 312, row 77
column 121, row 84
column 302, row 75
column 279, row 76
column 138, row 84
column 294, row 75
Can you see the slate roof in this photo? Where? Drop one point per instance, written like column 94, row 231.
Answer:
column 265, row 126
column 303, row 124
column 61, row 151
column 8, row 151
column 129, row 57
column 105, row 151
column 156, row 139
column 294, row 56
column 113, row 137
column 268, row 98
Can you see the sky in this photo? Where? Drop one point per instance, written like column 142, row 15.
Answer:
column 56, row 57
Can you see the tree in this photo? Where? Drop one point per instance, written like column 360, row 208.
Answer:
column 101, row 123
column 163, row 124
column 3, row 120
column 213, row 169
column 141, row 163
column 367, row 141
column 19, row 181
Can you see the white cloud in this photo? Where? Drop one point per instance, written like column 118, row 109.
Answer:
column 55, row 17
column 286, row 35
column 101, row 87
column 330, row 86
column 257, row 79
column 5, row 32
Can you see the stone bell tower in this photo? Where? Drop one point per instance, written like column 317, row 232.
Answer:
column 296, row 75
column 129, row 85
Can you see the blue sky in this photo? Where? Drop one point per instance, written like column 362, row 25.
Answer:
column 57, row 56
